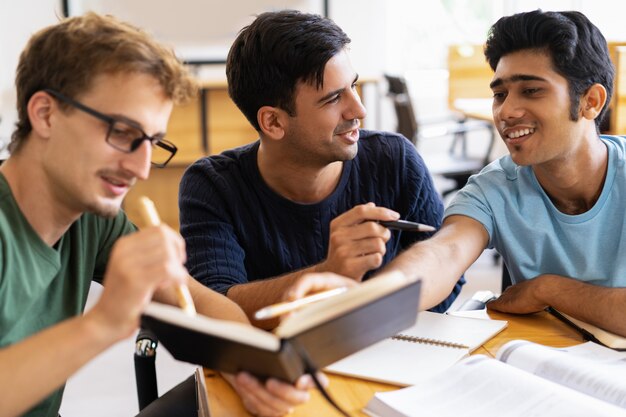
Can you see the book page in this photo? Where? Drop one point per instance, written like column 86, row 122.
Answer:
column 408, row 362
column 483, row 387
column 231, row 330
column 398, row 362
column 588, row 368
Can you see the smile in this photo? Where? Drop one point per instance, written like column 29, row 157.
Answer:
column 519, row 133
column 352, row 135
column 115, row 182
column 115, row 187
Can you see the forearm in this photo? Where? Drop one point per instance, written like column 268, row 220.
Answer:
column 207, row 302
column 213, row 304
column 257, row 294
column 36, row 366
column 434, row 265
column 442, row 259
column 601, row 306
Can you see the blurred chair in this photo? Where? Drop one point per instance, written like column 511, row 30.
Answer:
column 456, row 164
column 187, row 399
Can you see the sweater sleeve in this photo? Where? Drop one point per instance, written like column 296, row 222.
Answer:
column 214, row 256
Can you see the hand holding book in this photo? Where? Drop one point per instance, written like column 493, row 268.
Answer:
column 326, row 331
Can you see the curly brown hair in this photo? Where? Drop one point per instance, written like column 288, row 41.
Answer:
column 67, row 56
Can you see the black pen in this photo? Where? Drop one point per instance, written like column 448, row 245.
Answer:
column 406, row 226
column 584, row 333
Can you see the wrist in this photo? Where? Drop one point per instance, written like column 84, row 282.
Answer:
column 100, row 329
column 320, row 267
column 545, row 287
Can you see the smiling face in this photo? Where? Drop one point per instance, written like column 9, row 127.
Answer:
column 325, row 126
column 531, row 109
column 85, row 172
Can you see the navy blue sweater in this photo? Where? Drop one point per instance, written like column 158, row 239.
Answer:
column 238, row 230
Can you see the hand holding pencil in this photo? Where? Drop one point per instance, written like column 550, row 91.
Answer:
column 151, row 217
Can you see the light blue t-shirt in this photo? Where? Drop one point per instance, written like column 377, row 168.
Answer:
column 535, row 238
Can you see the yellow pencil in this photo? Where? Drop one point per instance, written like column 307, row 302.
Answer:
column 151, row 217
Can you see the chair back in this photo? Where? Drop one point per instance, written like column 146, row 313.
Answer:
column 457, row 164
column 405, row 114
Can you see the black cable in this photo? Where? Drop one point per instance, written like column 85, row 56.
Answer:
column 309, row 368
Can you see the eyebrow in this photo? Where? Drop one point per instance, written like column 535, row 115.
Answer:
column 133, row 123
column 121, row 118
column 337, row 91
column 515, row 78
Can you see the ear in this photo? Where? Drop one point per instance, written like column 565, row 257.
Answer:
column 272, row 122
column 40, row 109
column 593, row 101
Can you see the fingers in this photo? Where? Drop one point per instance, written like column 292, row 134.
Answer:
column 139, row 264
column 357, row 242
column 359, row 214
column 155, row 246
column 306, row 381
column 518, row 299
column 316, row 282
column 275, row 398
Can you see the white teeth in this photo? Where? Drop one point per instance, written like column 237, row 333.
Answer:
column 517, row 134
column 117, row 183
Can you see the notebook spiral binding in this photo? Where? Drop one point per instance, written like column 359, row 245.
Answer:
column 415, row 339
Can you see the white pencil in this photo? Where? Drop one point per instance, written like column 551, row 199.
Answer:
column 278, row 309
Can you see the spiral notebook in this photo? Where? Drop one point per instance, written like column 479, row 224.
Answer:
column 436, row 342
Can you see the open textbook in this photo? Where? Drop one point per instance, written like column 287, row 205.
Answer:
column 311, row 338
column 591, row 332
column 526, row 379
column 434, row 343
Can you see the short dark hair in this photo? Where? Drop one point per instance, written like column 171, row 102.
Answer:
column 274, row 53
column 67, row 56
column 578, row 50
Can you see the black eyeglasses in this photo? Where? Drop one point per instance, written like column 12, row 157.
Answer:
column 124, row 135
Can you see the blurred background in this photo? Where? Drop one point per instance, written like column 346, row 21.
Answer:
column 432, row 48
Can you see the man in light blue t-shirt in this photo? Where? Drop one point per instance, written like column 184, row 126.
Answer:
column 555, row 208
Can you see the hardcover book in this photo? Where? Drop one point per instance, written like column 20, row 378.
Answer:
column 311, row 338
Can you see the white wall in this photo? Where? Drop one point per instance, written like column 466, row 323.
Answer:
column 18, row 21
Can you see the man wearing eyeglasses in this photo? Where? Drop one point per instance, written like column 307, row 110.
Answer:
column 94, row 99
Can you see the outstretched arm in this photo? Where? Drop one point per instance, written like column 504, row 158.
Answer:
column 442, row 259
column 601, row 306
column 33, row 368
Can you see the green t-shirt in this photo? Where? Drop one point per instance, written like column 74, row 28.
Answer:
column 42, row 285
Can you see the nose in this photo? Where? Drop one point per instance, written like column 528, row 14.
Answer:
column 510, row 108
column 138, row 161
column 355, row 110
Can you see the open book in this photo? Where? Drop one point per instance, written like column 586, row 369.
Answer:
column 526, row 379
column 591, row 332
column 311, row 338
column 434, row 343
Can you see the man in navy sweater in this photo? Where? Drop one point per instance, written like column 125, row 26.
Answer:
column 308, row 195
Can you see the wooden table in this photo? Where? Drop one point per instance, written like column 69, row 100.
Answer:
column 476, row 108
column 353, row 393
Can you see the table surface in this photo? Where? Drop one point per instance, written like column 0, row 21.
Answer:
column 352, row 393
